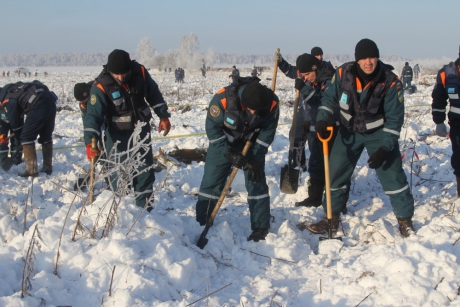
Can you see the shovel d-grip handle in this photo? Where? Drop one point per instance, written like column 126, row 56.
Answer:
column 325, row 141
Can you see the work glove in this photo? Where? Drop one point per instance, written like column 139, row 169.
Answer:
column 237, row 159
column 4, row 139
column 92, row 152
column 164, row 125
column 255, row 170
column 278, row 57
column 441, row 130
column 377, row 158
column 320, row 127
column 306, row 126
column 299, row 84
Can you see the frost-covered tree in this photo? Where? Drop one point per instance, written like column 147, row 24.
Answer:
column 145, row 51
column 171, row 59
column 209, row 58
column 188, row 51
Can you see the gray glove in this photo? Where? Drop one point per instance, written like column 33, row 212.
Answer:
column 441, row 130
column 278, row 57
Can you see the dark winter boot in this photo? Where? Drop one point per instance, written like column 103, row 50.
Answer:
column 258, row 234
column 406, row 227
column 458, row 186
column 47, row 150
column 30, row 159
column 323, row 226
column 315, row 195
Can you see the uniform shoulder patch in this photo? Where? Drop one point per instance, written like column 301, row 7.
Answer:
column 93, row 99
column 214, row 111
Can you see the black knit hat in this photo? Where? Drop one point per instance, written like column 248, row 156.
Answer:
column 119, row 62
column 81, row 91
column 366, row 48
column 316, row 51
column 255, row 96
column 306, row 63
column 407, row 63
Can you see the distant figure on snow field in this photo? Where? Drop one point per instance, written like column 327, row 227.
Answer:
column 406, row 75
column 235, row 74
column 416, row 71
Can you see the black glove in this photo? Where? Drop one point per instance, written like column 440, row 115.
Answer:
column 255, row 170
column 320, row 127
column 377, row 158
column 306, row 126
column 299, row 84
column 237, row 159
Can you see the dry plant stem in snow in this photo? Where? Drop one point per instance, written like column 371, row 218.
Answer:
column 55, row 272
column 28, row 271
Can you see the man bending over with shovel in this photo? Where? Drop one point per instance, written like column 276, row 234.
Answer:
column 371, row 101
column 244, row 111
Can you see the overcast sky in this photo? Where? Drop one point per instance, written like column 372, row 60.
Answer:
column 415, row 29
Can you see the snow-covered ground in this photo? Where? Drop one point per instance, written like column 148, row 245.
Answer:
column 157, row 262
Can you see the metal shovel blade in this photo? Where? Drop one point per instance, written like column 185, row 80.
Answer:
column 7, row 164
column 289, row 180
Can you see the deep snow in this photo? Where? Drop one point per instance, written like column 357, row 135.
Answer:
column 158, row 263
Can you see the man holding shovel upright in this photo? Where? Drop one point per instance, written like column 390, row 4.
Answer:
column 313, row 77
column 243, row 111
column 371, row 101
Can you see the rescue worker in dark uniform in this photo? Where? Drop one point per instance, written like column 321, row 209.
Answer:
column 371, row 101
column 81, row 93
column 254, row 72
column 235, row 74
column 406, row 76
column 447, row 88
column 119, row 97
column 237, row 113
column 416, row 71
column 315, row 76
column 35, row 100
column 5, row 139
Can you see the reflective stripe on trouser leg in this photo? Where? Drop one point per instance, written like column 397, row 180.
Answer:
column 394, row 183
column 216, row 171
column 259, row 201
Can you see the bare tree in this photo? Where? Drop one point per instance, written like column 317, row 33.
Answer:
column 188, row 51
column 145, row 51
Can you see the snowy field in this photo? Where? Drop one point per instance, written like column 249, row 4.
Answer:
column 157, row 262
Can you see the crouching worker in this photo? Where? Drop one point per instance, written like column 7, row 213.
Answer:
column 35, row 100
column 245, row 110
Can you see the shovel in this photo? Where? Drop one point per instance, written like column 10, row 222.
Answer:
column 289, row 175
column 9, row 161
column 91, row 175
column 275, row 71
column 328, row 184
column 202, row 241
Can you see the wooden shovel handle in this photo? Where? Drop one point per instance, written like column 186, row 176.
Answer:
column 91, row 178
column 275, row 71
